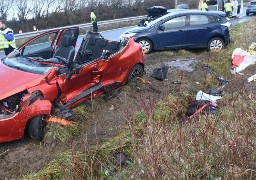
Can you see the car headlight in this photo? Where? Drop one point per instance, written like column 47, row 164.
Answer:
column 126, row 36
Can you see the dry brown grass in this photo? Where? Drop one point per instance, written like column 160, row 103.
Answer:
column 209, row 146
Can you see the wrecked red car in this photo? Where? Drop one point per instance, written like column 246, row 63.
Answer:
column 54, row 71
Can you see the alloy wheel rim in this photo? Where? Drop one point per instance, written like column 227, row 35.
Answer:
column 145, row 46
column 216, row 45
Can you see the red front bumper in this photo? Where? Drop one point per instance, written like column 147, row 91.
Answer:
column 12, row 126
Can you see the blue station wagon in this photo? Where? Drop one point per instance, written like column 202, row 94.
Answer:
column 183, row 29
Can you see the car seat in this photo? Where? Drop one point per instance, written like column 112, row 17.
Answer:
column 65, row 51
column 114, row 46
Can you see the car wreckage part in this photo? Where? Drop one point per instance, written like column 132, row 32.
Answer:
column 221, row 80
column 201, row 106
column 10, row 104
column 17, row 121
column 84, row 94
column 34, row 127
column 136, row 71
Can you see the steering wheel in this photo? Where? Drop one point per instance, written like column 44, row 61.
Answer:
column 62, row 60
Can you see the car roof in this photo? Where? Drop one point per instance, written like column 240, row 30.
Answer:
column 187, row 11
column 177, row 12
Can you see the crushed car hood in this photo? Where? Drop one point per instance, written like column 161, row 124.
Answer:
column 13, row 81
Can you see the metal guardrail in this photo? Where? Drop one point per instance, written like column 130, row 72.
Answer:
column 81, row 26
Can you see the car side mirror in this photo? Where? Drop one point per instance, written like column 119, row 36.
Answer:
column 161, row 27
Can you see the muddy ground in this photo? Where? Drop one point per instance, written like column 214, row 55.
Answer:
column 107, row 118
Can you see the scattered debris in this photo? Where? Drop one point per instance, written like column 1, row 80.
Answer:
column 252, row 78
column 201, row 106
column 111, row 94
column 147, row 82
column 120, row 157
column 160, row 73
column 187, row 65
column 176, row 82
column 241, row 59
column 143, row 80
column 111, row 107
column 222, row 81
column 214, row 92
column 63, row 122
column 4, row 153
column 201, row 96
column 252, row 49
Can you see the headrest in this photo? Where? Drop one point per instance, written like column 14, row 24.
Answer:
column 92, row 41
column 66, row 41
column 102, row 42
column 114, row 45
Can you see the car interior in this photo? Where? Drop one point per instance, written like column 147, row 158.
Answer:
column 95, row 47
column 65, row 52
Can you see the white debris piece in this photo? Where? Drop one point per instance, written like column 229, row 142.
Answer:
column 207, row 97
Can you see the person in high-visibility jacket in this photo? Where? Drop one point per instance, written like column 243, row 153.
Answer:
column 7, row 40
column 94, row 21
column 228, row 8
column 204, row 6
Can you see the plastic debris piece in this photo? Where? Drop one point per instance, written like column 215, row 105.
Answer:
column 143, row 80
column 252, row 78
column 120, row 157
column 207, row 97
column 63, row 122
column 160, row 73
column 111, row 107
column 239, row 63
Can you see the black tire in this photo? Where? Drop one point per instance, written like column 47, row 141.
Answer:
column 146, row 45
column 215, row 44
column 35, row 127
column 247, row 14
column 136, row 71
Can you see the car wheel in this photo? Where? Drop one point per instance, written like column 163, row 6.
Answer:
column 137, row 71
column 247, row 14
column 215, row 44
column 34, row 127
column 146, row 45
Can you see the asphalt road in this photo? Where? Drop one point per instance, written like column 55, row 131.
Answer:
column 115, row 33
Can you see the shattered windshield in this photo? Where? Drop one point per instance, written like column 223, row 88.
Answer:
column 27, row 65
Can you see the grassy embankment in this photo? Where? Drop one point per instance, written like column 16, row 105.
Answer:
column 159, row 146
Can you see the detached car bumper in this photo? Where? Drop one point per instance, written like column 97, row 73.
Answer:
column 12, row 126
